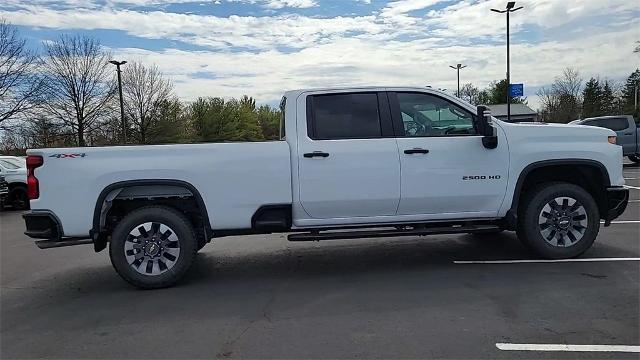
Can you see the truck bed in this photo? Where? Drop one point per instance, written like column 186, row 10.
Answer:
column 254, row 174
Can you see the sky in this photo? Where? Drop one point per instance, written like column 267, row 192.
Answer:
column 262, row 48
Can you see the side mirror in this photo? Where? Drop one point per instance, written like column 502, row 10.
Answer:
column 485, row 128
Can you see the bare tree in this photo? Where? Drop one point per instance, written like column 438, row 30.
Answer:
column 145, row 90
column 79, row 84
column 561, row 102
column 20, row 83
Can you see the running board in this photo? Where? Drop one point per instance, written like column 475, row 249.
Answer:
column 48, row 244
column 336, row 235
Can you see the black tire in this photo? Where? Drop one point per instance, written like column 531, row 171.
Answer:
column 168, row 217
column 530, row 230
column 634, row 158
column 18, row 198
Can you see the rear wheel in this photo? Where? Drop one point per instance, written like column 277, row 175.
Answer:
column 559, row 220
column 634, row 158
column 153, row 247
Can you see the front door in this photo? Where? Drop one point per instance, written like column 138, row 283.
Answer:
column 446, row 171
column 347, row 156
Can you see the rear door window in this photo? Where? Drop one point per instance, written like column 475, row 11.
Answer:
column 615, row 124
column 344, row 116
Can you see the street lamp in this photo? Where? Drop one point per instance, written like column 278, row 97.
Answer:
column 122, row 119
column 508, row 10
column 457, row 68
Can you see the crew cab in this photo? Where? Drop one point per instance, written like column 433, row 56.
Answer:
column 627, row 132
column 351, row 163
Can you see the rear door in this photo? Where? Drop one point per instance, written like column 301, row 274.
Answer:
column 347, row 156
column 446, row 171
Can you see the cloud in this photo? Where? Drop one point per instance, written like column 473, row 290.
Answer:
column 352, row 62
column 406, row 42
column 279, row 4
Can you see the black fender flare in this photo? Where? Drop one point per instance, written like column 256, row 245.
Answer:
column 513, row 210
column 97, row 212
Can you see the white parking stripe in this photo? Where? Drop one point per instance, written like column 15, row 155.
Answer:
column 624, row 222
column 530, row 261
column 632, row 187
column 566, row 347
column 634, row 201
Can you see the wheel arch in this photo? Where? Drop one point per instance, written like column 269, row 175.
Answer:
column 148, row 189
column 544, row 171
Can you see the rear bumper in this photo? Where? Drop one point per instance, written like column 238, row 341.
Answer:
column 44, row 225
column 617, row 200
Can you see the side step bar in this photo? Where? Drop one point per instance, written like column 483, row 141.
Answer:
column 335, row 235
column 48, row 244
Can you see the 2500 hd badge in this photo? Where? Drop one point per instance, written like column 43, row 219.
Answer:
column 481, row 177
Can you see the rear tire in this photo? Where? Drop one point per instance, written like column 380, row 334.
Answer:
column 558, row 221
column 153, row 247
column 634, row 158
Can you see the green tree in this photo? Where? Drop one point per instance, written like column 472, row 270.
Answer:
column 629, row 94
column 269, row 121
column 169, row 123
column 214, row 119
column 592, row 99
column 608, row 100
column 497, row 94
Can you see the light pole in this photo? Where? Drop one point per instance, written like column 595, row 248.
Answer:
column 122, row 119
column 508, row 10
column 457, row 68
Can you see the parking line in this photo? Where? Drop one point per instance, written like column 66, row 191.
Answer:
column 529, row 261
column 632, row 187
column 623, row 222
column 567, row 347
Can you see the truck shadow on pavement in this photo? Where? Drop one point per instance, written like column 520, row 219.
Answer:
column 352, row 257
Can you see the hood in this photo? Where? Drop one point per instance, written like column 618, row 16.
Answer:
column 551, row 130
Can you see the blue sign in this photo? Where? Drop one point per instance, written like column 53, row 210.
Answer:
column 516, row 90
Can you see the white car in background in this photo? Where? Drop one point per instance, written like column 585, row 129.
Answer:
column 14, row 170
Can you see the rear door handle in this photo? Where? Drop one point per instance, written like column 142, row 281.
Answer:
column 416, row 151
column 316, row 154
column 628, row 133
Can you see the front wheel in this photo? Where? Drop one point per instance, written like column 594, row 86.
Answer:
column 634, row 158
column 559, row 221
column 153, row 247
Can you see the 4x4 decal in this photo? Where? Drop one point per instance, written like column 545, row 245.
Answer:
column 68, row 156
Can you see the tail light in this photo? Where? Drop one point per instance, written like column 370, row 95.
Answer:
column 33, row 188
column 612, row 140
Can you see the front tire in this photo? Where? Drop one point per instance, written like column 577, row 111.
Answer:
column 559, row 221
column 153, row 247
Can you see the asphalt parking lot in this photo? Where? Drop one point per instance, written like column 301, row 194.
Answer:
column 264, row 297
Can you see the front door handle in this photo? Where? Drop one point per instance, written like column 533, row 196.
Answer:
column 316, row 154
column 628, row 133
column 416, row 151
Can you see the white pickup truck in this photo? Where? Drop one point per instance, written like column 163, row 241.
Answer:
column 351, row 163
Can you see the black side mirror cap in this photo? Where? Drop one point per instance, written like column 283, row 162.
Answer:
column 484, row 128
